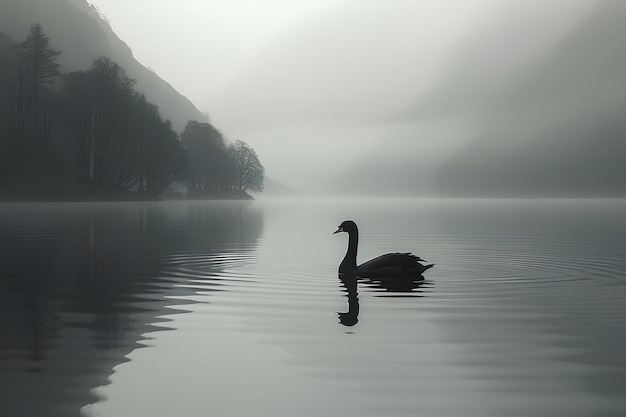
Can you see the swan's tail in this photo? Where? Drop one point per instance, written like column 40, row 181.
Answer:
column 428, row 266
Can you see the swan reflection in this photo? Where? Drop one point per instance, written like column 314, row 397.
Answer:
column 349, row 282
column 399, row 287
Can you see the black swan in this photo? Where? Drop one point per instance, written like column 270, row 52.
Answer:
column 390, row 265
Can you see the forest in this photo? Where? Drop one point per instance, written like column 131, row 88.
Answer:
column 90, row 135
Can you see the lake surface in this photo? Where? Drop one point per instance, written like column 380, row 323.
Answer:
column 234, row 309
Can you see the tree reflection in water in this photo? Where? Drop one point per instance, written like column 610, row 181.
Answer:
column 81, row 283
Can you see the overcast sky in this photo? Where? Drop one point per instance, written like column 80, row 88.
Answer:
column 315, row 86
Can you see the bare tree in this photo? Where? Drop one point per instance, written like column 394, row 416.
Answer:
column 250, row 172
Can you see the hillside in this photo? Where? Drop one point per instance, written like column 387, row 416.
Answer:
column 108, row 129
column 76, row 28
column 561, row 129
column 514, row 112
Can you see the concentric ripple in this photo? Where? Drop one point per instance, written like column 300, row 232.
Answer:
column 223, row 308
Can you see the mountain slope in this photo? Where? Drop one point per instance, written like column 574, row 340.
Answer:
column 76, row 28
column 561, row 131
column 523, row 116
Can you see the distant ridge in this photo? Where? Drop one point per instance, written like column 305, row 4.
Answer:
column 565, row 132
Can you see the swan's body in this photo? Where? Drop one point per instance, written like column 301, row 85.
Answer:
column 384, row 266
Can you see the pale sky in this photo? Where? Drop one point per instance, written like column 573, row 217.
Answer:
column 317, row 87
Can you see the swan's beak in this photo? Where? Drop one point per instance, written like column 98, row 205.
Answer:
column 339, row 229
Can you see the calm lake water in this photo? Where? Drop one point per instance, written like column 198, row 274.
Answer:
column 233, row 309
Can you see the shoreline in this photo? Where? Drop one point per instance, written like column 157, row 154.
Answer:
column 128, row 196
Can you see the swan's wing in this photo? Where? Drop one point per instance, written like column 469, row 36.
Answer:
column 391, row 260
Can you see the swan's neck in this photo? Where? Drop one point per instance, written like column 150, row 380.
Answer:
column 349, row 261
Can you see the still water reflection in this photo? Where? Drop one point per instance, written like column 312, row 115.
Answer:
column 231, row 308
column 82, row 284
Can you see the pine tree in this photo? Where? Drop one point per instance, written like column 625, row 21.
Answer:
column 38, row 69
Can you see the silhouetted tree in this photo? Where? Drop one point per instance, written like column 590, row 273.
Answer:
column 208, row 168
column 37, row 70
column 162, row 155
column 115, row 153
column 107, row 131
column 79, row 121
column 30, row 165
column 250, row 172
column 120, row 139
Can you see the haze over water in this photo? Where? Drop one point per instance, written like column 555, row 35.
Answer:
column 231, row 308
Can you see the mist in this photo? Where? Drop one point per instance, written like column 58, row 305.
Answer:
column 376, row 98
column 349, row 97
column 330, row 93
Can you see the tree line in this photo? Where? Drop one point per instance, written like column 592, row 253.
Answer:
column 91, row 134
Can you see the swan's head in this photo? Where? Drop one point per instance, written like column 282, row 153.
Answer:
column 347, row 226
